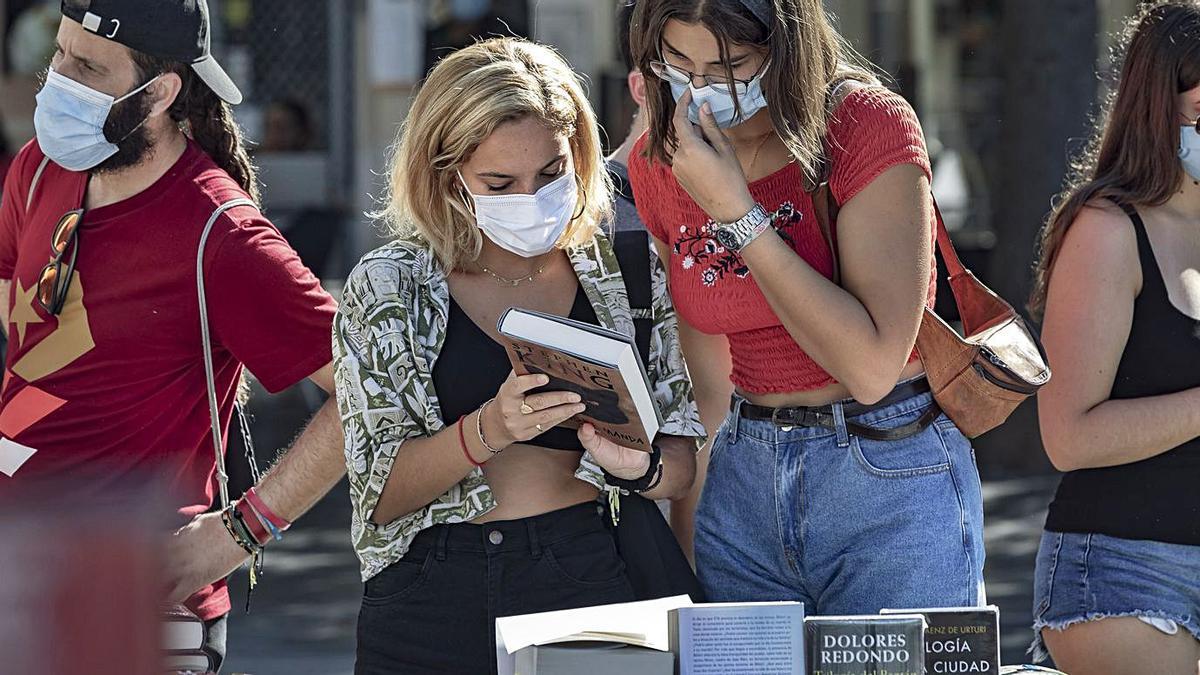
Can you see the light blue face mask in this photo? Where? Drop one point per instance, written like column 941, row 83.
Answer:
column 1189, row 150
column 750, row 98
column 69, row 121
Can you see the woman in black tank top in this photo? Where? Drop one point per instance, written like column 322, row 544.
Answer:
column 468, row 502
column 1117, row 587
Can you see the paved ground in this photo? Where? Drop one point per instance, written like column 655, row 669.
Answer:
column 304, row 610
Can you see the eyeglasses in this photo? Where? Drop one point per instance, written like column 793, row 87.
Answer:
column 676, row 75
column 53, row 284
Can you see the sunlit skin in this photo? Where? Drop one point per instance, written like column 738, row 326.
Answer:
column 1089, row 312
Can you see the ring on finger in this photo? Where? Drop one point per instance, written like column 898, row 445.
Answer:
column 526, row 409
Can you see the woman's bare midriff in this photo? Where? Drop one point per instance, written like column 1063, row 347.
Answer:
column 529, row 481
column 820, row 397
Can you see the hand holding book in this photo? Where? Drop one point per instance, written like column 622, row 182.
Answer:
column 515, row 415
column 620, row 461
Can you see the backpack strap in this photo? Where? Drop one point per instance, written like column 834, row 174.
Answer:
column 214, row 412
column 632, row 248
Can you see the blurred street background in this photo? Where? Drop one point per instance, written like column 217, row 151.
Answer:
column 1004, row 89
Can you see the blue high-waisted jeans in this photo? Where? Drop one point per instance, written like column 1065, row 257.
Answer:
column 844, row 524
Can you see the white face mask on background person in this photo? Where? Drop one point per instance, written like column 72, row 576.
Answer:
column 750, row 98
column 69, row 122
column 1189, row 150
column 527, row 225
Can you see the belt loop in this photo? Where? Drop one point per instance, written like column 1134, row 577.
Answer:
column 534, row 549
column 839, row 424
column 736, row 415
column 439, row 549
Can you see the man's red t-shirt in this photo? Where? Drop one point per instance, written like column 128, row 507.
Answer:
column 112, row 391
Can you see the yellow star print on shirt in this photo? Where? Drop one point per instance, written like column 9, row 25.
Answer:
column 23, row 312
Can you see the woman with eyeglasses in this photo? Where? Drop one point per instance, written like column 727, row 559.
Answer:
column 470, row 503
column 1117, row 583
column 834, row 479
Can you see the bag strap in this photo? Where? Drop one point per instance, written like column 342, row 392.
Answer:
column 37, row 177
column 206, row 340
column 632, row 248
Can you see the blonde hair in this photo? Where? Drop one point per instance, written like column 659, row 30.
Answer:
column 462, row 101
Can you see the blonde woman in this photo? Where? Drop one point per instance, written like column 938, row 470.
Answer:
column 468, row 503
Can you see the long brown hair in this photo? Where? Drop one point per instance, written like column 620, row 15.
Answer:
column 806, row 56
column 206, row 119
column 1132, row 157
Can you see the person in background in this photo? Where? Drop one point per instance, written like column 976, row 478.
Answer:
column 287, row 127
column 103, row 219
column 625, row 216
column 831, row 439
column 1117, row 581
column 468, row 502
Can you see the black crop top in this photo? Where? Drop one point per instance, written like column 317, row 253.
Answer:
column 1157, row 498
column 472, row 366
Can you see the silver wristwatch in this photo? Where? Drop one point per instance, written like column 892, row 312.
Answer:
column 736, row 235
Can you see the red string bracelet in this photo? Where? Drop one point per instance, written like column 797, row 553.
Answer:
column 462, row 441
column 261, row 507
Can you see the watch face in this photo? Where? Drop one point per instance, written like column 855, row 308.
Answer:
column 727, row 238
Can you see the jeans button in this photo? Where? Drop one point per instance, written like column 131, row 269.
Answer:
column 496, row 537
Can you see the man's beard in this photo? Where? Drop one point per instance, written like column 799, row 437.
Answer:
column 126, row 128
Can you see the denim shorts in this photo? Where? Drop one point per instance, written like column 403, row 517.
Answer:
column 1084, row 577
column 843, row 524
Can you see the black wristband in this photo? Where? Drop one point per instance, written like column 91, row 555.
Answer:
column 648, row 481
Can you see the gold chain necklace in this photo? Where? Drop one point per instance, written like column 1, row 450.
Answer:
column 758, row 149
column 513, row 282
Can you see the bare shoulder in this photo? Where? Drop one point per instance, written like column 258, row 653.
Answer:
column 1101, row 242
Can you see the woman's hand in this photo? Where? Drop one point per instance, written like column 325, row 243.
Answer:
column 515, row 416
column 706, row 166
column 622, row 462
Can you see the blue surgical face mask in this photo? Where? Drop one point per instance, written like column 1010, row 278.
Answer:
column 750, row 98
column 1189, row 150
column 69, row 121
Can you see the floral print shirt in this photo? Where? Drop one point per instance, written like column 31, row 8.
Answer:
column 386, row 338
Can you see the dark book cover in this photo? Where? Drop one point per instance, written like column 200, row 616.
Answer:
column 865, row 645
column 604, row 391
column 960, row 639
column 764, row 638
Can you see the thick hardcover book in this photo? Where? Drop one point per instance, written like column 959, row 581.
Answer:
column 960, row 639
column 600, row 365
column 573, row 658
column 752, row 638
column 865, row 645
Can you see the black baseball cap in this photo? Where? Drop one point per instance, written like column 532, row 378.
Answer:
column 167, row 29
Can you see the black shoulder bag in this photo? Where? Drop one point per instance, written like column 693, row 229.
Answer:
column 654, row 562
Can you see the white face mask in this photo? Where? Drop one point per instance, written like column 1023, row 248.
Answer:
column 527, row 225
column 1189, row 150
column 69, row 122
column 750, row 98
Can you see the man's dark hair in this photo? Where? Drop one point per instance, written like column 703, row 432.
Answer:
column 207, row 119
column 624, row 21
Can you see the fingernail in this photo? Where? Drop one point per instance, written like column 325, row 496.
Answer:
column 576, row 398
column 706, row 108
column 544, row 379
column 580, row 408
